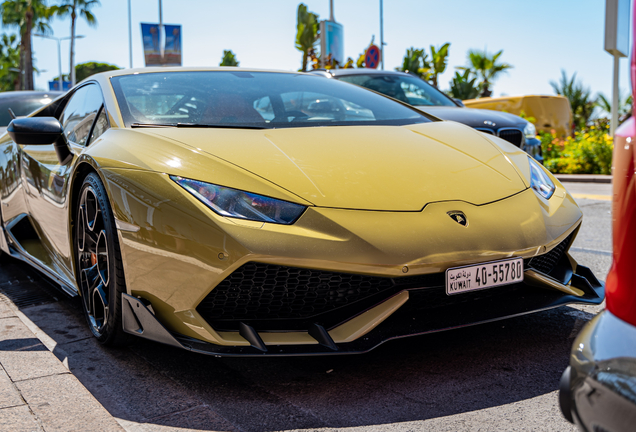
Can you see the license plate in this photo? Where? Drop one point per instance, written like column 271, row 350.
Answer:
column 484, row 275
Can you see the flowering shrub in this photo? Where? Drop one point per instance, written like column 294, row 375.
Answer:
column 587, row 152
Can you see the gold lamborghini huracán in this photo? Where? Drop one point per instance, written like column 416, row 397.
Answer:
column 246, row 212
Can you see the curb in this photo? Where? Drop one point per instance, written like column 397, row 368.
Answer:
column 584, row 178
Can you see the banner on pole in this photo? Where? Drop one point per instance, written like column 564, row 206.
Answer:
column 332, row 41
column 151, row 41
column 172, row 52
column 151, row 38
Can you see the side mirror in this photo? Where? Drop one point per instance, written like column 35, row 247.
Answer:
column 41, row 131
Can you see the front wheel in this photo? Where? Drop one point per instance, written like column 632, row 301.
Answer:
column 99, row 267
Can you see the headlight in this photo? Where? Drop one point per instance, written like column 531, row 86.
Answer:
column 239, row 204
column 530, row 131
column 539, row 180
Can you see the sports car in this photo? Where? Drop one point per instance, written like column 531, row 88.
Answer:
column 247, row 212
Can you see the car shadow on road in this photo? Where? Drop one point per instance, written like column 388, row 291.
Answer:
column 411, row 379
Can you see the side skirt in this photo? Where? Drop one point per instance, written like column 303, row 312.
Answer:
column 15, row 250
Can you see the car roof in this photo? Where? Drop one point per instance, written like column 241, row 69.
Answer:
column 136, row 71
column 19, row 94
column 360, row 71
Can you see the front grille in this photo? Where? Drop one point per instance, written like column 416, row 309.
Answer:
column 545, row 263
column 287, row 298
column 514, row 136
column 258, row 291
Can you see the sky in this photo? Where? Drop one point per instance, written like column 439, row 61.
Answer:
column 539, row 37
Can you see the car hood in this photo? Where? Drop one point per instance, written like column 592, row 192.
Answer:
column 361, row 167
column 476, row 118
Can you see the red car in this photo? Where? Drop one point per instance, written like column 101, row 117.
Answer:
column 598, row 389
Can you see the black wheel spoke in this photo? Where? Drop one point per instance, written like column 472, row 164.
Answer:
column 90, row 241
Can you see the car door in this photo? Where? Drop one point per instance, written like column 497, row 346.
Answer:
column 47, row 178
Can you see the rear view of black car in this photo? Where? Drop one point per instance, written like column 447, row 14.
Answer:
column 414, row 91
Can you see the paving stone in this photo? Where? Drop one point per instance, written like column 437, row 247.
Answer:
column 9, row 396
column 23, row 355
column 5, row 309
column 14, row 335
column 31, row 363
column 63, row 404
column 18, row 419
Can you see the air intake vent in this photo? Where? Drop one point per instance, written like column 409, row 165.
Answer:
column 545, row 263
column 257, row 291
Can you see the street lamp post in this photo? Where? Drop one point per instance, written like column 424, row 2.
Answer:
column 59, row 54
column 381, row 36
column 129, row 36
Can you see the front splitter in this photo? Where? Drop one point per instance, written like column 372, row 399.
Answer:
column 425, row 312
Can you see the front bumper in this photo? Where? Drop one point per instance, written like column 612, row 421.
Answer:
column 409, row 312
column 598, row 389
column 180, row 258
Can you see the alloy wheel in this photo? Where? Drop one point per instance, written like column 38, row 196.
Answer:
column 93, row 254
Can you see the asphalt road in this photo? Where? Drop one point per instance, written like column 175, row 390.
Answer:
column 501, row 376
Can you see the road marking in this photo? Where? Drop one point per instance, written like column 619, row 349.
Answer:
column 593, row 197
column 594, row 251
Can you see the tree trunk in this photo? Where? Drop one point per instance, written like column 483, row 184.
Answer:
column 20, row 79
column 72, row 70
column 304, row 61
column 485, row 90
column 28, row 66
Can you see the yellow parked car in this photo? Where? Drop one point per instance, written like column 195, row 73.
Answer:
column 549, row 112
column 246, row 212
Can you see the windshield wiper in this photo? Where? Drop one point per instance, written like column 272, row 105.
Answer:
column 196, row 125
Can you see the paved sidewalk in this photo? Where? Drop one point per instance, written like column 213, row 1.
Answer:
column 37, row 391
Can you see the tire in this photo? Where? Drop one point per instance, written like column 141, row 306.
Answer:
column 100, row 275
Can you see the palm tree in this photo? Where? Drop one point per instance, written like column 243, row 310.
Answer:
column 463, row 86
column 26, row 15
column 485, row 66
column 76, row 9
column 439, row 60
column 9, row 62
column 580, row 98
column 416, row 62
column 307, row 27
column 624, row 106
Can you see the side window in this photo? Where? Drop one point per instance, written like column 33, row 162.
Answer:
column 80, row 112
column 101, row 125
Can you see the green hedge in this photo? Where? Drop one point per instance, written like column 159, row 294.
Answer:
column 587, row 152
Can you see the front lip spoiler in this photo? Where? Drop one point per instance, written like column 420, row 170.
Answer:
column 140, row 321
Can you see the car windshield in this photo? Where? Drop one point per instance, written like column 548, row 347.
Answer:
column 21, row 107
column 252, row 100
column 405, row 88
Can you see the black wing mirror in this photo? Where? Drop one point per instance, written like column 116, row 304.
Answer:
column 41, row 131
